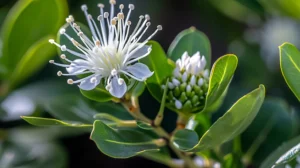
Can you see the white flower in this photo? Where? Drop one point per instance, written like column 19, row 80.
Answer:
column 111, row 53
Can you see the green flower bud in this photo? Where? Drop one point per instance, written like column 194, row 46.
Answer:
column 188, row 86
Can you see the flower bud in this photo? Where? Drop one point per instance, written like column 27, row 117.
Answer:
column 188, row 86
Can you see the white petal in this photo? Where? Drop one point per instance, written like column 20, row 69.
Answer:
column 203, row 62
column 141, row 52
column 78, row 66
column 140, row 71
column 116, row 89
column 90, row 83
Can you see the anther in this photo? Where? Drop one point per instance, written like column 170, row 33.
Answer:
column 51, row 41
column 59, row 73
column 159, row 27
column 113, row 2
column 63, row 48
column 148, row 24
column 90, row 16
column 100, row 17
column 147, row 17
column 106, row 14
column 62, row 31
column 120, row 16
column 63, row 56
column 84, row 7
column 100, row 5
column 70, row 81
column 131, row 6
column 120, row 81
column 51, row 61
column 93, row 80
column 113, row 22
column 97, row 43
column 80, row 33
column 121, row 6
column 71, row 18
column 128, row 23
column 75, row 42
column 68, row 20
column 141, row 17
column 114, row 72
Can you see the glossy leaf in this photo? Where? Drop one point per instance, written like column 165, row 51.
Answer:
column 38, row 121
column 28, row 22
column 283, row 154
column 121, row 143
column 157, row 62
column 98, row 94
column 231, row 124
column 220, row 78
column 185, row 139
column 290, row 66
column 35, row 58
column 192, row 41
column 71, row 108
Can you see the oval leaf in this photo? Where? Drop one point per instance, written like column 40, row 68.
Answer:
column 290, row 66
column 35, row 58
column 220, row 77
column 121, row 143
column 192, row 41
column 38, row 121
column 28, row 22
column 283, row 154
column 157, row 62
column 232, row 123
column 98, row 94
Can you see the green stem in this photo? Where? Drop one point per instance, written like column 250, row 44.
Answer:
column 133, row 108
column 160, row 114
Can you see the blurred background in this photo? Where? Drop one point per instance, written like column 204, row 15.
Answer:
column 251, row 29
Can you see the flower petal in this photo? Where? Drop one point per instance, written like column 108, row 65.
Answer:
column 145, row 50
column 78, row 66
column 116, row 89
column 90, row 83
column 140, row 71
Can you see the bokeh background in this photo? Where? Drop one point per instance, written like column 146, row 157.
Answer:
column 251, row 29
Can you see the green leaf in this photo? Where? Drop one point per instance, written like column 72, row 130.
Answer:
column 290, row 66
column 284, row 153
column 35, row 58
column 98, row 94
column 38, row 121
column 192, row 41
column 157, row 62
column 121, row 143
column 71, row 107
column 231, row 124
column 32, row 21
column 185, row 139
column 220, row 78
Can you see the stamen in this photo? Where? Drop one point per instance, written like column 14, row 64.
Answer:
column 121, row 81
column 70, row 81
column 63, row 48
column 59, row 73
column 100, row 5
column 131, row 6
column 63, row 56
column 62, row 31
column 114, row 72
column 51, row 61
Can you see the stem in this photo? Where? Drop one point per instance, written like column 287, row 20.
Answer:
column 160, row 114
column 133, row 108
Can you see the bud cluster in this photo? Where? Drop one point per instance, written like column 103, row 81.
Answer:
column 188, row 86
